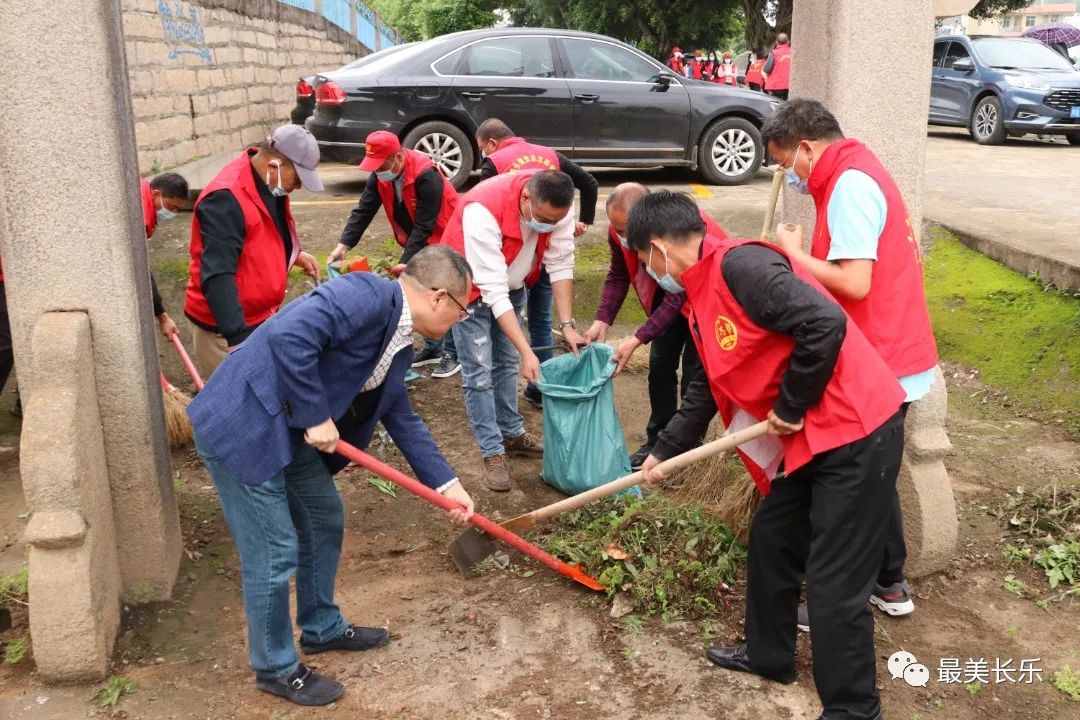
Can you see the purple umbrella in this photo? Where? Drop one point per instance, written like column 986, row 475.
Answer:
column 1055, row 33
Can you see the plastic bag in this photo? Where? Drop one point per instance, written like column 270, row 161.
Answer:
column 583, row 440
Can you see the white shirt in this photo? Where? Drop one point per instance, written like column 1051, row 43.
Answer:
column 483, row 250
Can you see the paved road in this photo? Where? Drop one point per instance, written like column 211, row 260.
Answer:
column 1018, row 202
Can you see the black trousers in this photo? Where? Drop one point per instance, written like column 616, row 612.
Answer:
column 665, row 353
column 892, row 567
column 825, row 522
column 779, row 94
column 7, row 357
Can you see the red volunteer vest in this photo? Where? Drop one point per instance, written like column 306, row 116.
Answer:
column 262, row 273
column 149, row 209
column 416, row 163
column 780, row 77
column 501, row 196
column 643, row 283
column 516, row 154
column 893, row 316
column 727, row 74
column 695, row 69
column 745, row 363
column 675, row 64
column 753, row 73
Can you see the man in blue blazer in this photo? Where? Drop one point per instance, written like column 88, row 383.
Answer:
column 332, row 361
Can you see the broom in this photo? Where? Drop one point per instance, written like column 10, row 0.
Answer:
column 177, row 424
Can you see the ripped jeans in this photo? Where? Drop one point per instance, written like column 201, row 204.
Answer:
column 489, row 368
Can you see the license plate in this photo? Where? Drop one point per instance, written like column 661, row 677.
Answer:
column 1075, row 112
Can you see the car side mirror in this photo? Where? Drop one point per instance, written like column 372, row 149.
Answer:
column 963, row 65
column 665, row 79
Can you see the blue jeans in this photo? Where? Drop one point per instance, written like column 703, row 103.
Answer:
column 446, row 345
column 489, row 368
column 538, row 314
column 291, row 524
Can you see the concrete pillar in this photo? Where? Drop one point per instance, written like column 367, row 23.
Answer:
column 74, row 572
column 880, row 93
column 72, row 239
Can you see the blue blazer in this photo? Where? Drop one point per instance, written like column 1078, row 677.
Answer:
column 304, row 365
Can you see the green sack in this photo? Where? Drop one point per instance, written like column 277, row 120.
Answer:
column 583, row 441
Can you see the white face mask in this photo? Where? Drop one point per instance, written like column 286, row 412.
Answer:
column 278, row 190
column 165, row 214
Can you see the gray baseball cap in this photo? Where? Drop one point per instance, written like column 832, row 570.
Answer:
column 299, row 146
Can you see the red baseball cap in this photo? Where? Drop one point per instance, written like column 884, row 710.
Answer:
column 377, row 148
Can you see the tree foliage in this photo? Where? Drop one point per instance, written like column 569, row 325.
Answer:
column 996, row 8
column 654, row 26
column 423, row 19
column 763, row 20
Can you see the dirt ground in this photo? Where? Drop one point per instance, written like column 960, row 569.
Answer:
column 512, row 646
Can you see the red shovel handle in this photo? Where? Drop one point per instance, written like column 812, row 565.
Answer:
column 399, row 478
column 186, row 359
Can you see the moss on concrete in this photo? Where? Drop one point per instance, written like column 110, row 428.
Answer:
column 1023, row 337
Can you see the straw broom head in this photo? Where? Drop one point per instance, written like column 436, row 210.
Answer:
column 177, row 424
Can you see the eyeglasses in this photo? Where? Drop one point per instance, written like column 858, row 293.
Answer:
column 461, row 315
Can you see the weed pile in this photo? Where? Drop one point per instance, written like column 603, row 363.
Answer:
column 672, row 559
column 1044, row 529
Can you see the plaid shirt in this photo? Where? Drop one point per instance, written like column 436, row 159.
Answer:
column 401, row 340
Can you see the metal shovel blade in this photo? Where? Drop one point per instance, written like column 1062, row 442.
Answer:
column 472, row 548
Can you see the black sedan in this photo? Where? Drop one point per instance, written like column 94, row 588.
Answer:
column 595, row 99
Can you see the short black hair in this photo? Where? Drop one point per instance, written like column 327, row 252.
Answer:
column 800, row 119
column 663, row 214
column 493, row 129
column 552, row 187
column 439, row 266
column 171, row 185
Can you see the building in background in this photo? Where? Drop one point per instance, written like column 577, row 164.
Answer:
column 1015, row 23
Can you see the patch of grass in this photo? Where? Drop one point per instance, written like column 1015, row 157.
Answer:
column 674, row 559
column 1022, row 336
column 14, row 588
column 384, row 486
column 15, row 651
column 634, row 624
column 117, row 688
column 173, row 270
column 1067, row 681
column 1045, row 525
column 974, row 688
column 1016, row 587
column 591, row 262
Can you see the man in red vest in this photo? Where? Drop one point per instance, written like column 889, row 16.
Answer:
column 162, row 197
column 778, row 68
column 504, row 153
column 863, row 251
column 243, row 242
column 665, row 332
column 775, row 346
column 419, row 201
column 507, row 227
column 755, row 79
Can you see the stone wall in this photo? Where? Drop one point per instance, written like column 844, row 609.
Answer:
column 211, row 76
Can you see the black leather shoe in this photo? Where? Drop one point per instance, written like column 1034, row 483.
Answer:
column 354, row 638
column 734, row 658
column 303, row 687
column 532, row 394
column 638, row 458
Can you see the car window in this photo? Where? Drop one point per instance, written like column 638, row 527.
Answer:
column 1016, row 53
column 502, row 57
column 956, row 52
column 590, row 60
column 939, row 52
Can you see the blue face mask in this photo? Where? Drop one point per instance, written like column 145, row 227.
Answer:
column 165, row 214
column 793, row 180
column 537, row 226
column 277, row 190
column 623, row 241
column 666, row 283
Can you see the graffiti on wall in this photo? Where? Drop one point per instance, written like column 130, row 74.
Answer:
column 183, row 30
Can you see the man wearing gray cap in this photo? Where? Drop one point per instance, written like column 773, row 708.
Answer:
column 243, row 242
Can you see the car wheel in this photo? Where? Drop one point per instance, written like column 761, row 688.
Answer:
column 447, row 147
column 730, row 152
column 1073, row 139
column 987, row 122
